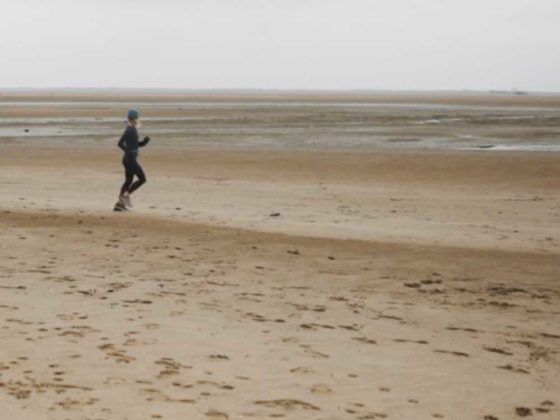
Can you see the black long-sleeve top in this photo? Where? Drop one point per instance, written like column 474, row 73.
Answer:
column 130, row 142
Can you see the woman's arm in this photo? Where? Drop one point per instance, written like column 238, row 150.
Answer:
column 144, row 142
column 122, row 144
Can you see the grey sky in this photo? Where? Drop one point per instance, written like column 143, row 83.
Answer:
column 333, row 44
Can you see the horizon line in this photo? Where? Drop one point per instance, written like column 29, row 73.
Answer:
column 278, row 90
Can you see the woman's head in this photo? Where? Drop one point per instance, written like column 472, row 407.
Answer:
column 133, row 117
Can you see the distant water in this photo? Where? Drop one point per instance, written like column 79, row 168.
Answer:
column 272, row 104
column 517, row 147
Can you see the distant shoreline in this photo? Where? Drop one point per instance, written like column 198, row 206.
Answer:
column 28, row 89
column 460, row 98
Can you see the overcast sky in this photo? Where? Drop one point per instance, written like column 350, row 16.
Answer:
column 285, row 44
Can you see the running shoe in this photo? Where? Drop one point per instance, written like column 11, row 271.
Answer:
column 126, row 200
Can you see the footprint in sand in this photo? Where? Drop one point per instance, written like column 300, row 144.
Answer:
column 403, row 340
column 315, row 308
column 114, row 381
column 171, row 367
column 304, row 370
column 151, row 394
column 321, row 389
column 451, row 328
column 216, row 384
column 119, row 356
column 358, row 409
column 314, row 326
column 216, row 415
column 350, row 327
column 314, row 353
column 364, row 340
column 218, row 357
column 545, row 407
column 453, row 353
column 523, row 411
column 288, row 404
column 497, row 350
column 71, row 404
column 514, row 369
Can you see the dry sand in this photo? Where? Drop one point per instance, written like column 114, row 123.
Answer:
column 398, row 284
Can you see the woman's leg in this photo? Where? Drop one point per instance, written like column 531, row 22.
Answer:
column 139, row 172
column 128, row 177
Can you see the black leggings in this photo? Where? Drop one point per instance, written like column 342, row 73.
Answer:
column 131, row 168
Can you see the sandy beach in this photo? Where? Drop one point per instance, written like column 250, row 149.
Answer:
column 310, row 258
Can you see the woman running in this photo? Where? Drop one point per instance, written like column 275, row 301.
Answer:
column 129, row 144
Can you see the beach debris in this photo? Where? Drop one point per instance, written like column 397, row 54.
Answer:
column 274, row 215
column 293, row 252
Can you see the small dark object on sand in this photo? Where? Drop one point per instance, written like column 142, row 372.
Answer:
column 274, row 214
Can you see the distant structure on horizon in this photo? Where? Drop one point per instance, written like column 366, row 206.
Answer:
column 513, row 91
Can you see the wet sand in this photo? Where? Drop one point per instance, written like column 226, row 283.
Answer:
column 290, row 121
column 266, row 282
